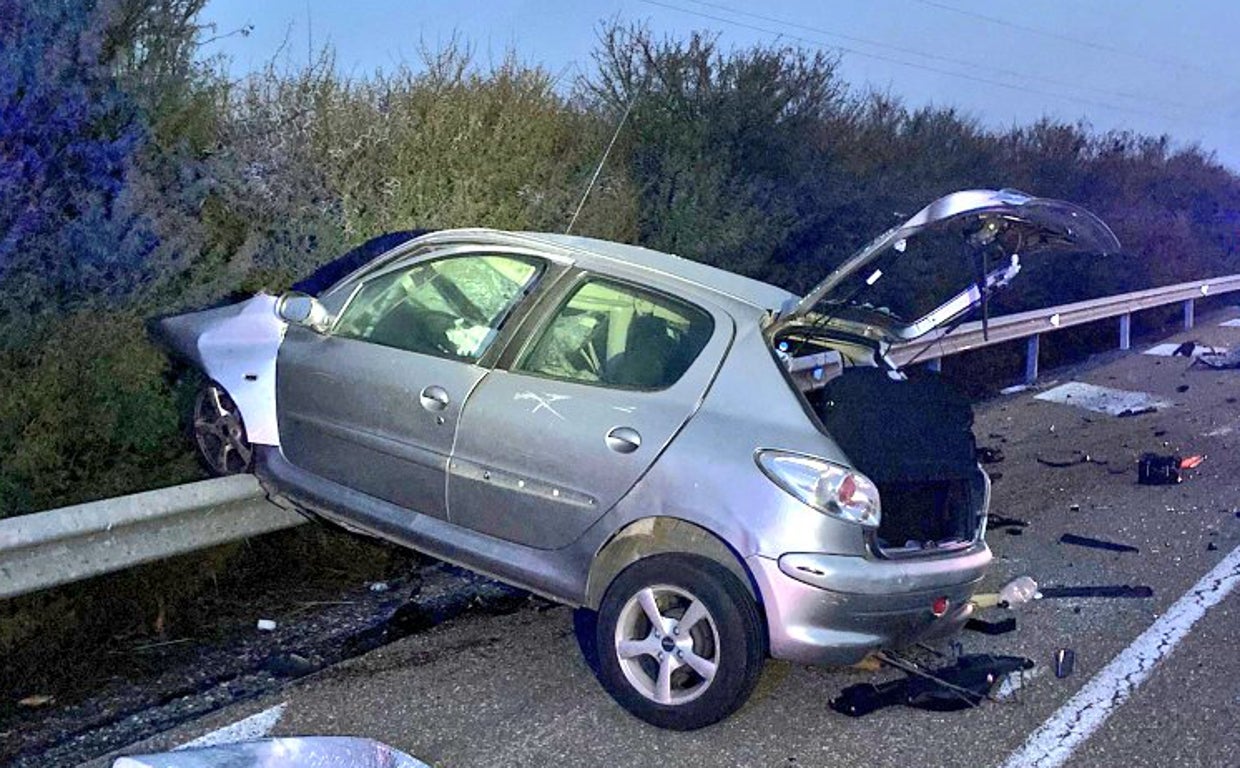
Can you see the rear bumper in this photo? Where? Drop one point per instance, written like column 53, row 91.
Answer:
column 831, row 609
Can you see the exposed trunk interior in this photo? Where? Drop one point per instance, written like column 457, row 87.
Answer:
column 912, row 436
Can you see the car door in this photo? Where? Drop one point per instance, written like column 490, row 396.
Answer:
column 548, row 446
column 373, row 404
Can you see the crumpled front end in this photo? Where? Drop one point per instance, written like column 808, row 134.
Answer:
column 235, row 346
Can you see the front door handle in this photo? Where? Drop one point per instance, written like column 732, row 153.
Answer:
column 623, row 439
column 434, row 398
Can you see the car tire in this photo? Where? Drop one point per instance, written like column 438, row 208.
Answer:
column 218, row 432
column 675, row 676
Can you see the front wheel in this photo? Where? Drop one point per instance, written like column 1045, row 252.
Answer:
column 680, row 641
column 219, row 433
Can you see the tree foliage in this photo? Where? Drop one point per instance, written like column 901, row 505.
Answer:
column 137, row 179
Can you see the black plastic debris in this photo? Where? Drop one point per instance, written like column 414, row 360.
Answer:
column 1156, row 469
column 1065, row 660
column 962, row 685
column 1185, row 349
column 992, row 628
column 1182, row 388
column 989, row 455
column 1086, row 541
column 995, row 522
column 1115, row 591
column 1062, row 463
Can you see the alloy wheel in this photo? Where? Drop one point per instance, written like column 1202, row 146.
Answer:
column 667, row 643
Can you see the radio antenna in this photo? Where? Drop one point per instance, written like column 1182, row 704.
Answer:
column 602, row 161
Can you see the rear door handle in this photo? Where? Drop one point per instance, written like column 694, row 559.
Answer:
column 434, row 398
column 623, row 439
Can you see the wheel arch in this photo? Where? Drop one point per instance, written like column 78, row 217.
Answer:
column 659, row 536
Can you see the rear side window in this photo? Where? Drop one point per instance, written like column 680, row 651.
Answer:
column 617, row 335
column 451, row 307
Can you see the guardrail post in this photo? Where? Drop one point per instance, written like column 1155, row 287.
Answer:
column 935, row 365
column 1031, row 358
column 1125, row 331
column 1188, row 313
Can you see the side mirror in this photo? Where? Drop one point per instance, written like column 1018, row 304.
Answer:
column 298, row 308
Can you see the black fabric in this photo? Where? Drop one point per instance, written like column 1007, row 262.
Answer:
column 897, row 432
column 972, row 677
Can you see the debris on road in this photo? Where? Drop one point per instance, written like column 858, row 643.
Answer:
column 988, row 455
column 962, row 685
column 1017, row 591
column 1065, row 660
column 1220, row 360
column 1114, row 402
column 1086, row 541
column 1156, row 469
column 991, row 628
column 1187, row 349
column 998, row 522
column 266, row 625
column 379, row 586
column 1116, row 591
column 1014, row 389
column 1191, row 462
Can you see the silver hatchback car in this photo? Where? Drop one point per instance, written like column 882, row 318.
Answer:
column 711, row 469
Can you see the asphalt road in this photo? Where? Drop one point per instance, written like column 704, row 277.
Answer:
column 513, row 690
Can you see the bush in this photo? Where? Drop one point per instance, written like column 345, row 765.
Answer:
column 87, row 411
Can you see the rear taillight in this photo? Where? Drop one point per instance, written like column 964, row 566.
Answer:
column 831, row 488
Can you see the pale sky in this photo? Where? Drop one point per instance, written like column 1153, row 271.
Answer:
column 1149, row 66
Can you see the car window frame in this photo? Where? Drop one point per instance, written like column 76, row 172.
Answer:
column 549, row 270
column 540, row 324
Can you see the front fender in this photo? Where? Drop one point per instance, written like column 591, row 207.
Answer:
column 237, row 347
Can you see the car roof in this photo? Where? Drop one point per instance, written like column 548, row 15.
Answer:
column 592, row 253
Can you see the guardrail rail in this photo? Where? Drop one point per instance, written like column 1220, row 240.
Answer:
column 47, row 549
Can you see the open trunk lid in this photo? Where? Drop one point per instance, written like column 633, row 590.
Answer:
column 996, row 229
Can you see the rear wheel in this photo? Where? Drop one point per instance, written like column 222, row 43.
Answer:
column 679, row 641
column 219, row 433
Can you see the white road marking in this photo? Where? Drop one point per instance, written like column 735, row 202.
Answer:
column 1054, row 742
column 250, row 728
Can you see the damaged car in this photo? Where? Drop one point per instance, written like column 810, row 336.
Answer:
column 710, row 469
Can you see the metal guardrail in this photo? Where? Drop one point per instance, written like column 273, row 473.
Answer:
column 47, row 549
column 1030, row 325
column 59, row 546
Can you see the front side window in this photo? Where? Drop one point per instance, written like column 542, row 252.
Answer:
column 451, row 307
column 617, row 335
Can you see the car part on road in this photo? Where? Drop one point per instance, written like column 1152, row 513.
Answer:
column 1155, row 469
column 989, row 455
column 291, row 752
column 964, row 684
column 1219, row 360
column 991, row 628
column 1065, row 661
column 1118, row 591
column 1086, row 541
column 680, row 641
column 219, row 433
